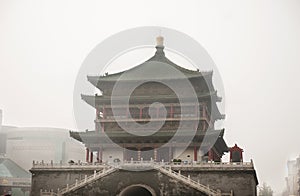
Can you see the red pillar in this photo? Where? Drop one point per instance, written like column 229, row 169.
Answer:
column 87, row 155
column 204, row 125
column 195, row 153
column 103, row 111
column 102, row 126
column 210, row 155
column 97, row 113
column 139, row 154
column 141, row 112
column 155, row 154
column 91, row 158
column 99, row 155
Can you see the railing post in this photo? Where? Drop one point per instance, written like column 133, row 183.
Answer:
column 67, row 187
column 179, row 172
column 189, row 177
column 85, row 178
column 41, row 192
column 76, row 182
column 94, row 173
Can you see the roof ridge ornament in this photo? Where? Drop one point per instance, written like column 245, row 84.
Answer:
column 160, row 41
column 159, row 46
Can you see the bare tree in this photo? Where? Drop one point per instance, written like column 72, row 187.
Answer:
column 265, row 190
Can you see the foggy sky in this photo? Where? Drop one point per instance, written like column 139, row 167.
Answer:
column 255, row 45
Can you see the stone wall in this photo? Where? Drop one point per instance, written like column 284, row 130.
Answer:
column 242, row 182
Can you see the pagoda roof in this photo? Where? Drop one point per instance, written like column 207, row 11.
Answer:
column 94, row 100
column 90, row 136
column 155, row 68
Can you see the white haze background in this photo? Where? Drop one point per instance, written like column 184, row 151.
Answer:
column 254, row 43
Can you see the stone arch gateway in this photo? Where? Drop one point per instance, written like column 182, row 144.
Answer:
column 138, row 189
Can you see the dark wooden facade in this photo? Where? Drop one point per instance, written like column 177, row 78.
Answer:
column 199, row 116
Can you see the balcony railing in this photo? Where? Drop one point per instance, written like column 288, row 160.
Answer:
column 174, row 165
column 51, row 165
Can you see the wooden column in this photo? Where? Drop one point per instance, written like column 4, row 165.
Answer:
column 91, row 157
column 103, row 112
column 97, row 113
column 210, row 155
column 96, row 127
column 139, row 154
column 99, row 155
column 102, row 126
column 195, row 154
column 141, row 112
column 155, row 154
column 204, row 125
column 87, row 155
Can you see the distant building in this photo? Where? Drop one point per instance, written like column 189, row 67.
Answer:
column 23, row 145
column 293, row 178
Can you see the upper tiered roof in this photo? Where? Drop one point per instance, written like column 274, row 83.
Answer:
column 156, row 67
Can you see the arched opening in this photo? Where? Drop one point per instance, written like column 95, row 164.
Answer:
column 137, row 190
